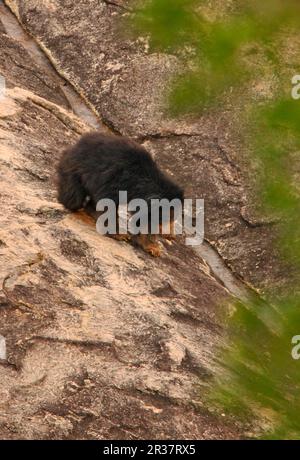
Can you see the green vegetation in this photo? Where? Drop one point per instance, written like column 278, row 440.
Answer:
column 225, row 46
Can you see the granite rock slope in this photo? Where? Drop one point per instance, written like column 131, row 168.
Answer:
column 102, row 340
column 125, row 84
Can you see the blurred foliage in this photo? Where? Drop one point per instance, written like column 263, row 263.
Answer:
column 223, row 46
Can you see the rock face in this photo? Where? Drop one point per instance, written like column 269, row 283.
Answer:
column 125, row 85
column 102, row 340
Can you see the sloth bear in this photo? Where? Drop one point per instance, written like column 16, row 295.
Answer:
column 100, row 166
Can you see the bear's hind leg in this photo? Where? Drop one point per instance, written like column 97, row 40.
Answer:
column 71, row 192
